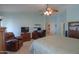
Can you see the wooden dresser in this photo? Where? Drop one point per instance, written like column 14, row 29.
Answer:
column 25, row 36
column 2, row 41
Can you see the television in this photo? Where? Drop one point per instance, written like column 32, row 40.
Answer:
column 38, row 28
column 24, row 29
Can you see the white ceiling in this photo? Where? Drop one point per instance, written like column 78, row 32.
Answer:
column 27, row 7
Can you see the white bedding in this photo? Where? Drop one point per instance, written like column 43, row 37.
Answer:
column 55, row 45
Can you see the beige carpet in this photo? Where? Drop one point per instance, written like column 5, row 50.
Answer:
column 25, row 49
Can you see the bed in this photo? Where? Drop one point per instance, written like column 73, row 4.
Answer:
column 55, row 45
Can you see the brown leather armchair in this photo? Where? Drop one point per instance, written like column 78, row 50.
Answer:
column 12, row 43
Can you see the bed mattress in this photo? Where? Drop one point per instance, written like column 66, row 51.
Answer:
column 55, row 45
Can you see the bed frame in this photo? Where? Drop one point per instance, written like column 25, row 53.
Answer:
column 73, row 29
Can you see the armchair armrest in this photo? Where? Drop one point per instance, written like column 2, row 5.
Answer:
column 12, row 40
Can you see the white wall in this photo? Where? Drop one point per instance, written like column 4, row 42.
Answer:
column 57, row 22
column 14, row 21
column 73, row 12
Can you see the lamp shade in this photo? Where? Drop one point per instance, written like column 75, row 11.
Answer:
column 1, row 18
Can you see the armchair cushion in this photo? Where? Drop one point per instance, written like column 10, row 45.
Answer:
column 9, row 35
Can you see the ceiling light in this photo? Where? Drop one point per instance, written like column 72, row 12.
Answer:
column 49, row 11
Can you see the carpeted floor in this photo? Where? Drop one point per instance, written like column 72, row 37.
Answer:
column 25, row 49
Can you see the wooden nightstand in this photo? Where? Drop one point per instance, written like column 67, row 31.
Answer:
column 25, row 36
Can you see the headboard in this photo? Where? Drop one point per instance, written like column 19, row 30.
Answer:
column 73, row 29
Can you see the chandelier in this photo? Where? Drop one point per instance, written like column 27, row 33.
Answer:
column 49, row 11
